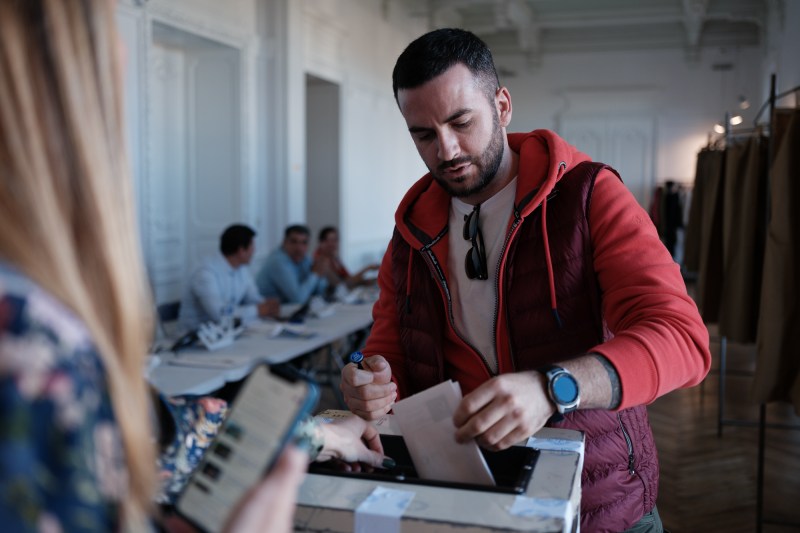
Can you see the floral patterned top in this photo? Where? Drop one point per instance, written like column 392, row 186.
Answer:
column 62, row 467
column 197, row 421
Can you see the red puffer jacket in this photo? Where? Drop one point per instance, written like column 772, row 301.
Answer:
column 615, row 291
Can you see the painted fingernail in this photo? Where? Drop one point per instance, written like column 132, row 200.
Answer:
column 388, row 462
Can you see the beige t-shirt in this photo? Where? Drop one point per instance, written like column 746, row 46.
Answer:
column 475, row 301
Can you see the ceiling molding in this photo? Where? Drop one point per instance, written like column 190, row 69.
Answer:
column 534, row 28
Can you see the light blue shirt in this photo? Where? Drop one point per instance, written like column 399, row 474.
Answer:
column 214, row 289
column 290, row 282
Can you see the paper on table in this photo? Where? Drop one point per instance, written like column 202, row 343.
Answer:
column 274, row 329
column 426, row 421
column 229, row 361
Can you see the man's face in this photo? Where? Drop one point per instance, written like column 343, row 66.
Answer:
column 330, row 245
column 296, row 246
column 458, row 131
column 248, row 252
column 245, row 254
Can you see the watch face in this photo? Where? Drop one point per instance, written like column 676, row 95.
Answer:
column 565, row 389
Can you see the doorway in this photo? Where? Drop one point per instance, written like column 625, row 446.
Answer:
column 194, row 152
column 322, row 153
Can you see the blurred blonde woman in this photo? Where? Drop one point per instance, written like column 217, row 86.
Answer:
column 76, row 444
column 74, row 318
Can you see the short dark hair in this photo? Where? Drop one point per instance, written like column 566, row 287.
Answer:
column 296, row 228
column 235, row 237
column 438, row 50
column 327, row 230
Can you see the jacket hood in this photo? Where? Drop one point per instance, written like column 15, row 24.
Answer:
column 543, row 158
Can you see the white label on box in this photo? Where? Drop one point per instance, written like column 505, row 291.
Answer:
column 382, row 510
column 549, row 507
column 554, row 444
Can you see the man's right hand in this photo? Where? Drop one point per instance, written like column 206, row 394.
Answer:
column 369, row 392
column 321, row 266
column 269, row 307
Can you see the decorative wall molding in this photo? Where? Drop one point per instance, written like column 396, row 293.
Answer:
column 163, row 235
column 232, row 31
column 323, row 46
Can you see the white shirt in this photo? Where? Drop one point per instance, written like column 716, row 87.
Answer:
column 215, row 289
column 475, row 301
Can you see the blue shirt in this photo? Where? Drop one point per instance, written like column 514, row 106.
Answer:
column 291, row 282
column 214, row 289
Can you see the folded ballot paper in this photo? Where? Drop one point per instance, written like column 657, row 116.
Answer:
column 426, row 422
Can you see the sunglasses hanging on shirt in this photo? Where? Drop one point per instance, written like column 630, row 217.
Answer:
column 475, row 262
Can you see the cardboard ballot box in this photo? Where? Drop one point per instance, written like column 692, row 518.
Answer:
column 549, row 503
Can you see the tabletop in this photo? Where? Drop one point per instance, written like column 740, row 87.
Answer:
column 197, row 371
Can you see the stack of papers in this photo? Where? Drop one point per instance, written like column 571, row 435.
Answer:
column 426, row 422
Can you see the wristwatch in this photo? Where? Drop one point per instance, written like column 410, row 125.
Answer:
column 562, row 388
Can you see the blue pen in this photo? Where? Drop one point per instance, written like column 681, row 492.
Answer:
column 357, row 357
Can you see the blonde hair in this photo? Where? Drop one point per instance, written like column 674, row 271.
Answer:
column 66, row 205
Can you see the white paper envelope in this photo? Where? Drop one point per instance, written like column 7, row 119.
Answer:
column 426, row 421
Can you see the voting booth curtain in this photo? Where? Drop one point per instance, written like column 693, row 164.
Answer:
column 743, row 241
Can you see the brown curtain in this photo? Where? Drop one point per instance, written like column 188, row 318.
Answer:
column 778, row 343
column 709, row 272
column 691, row 243
column 743, row 235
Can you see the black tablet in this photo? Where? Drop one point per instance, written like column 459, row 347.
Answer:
column 262, row 419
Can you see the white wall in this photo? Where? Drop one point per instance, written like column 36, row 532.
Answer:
column 783, row 49
column 684, row 98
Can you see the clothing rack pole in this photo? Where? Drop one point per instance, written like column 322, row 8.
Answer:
column 762, row 411
column 723, row 348
column 723, row 340
column 762, row 431
column 777, row 97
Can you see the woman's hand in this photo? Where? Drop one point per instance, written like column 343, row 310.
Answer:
column 269, row 506
column 351, row 440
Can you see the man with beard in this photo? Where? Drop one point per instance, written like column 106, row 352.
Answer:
column 529, row 274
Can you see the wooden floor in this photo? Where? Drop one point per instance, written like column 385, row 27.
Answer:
column 708, row 483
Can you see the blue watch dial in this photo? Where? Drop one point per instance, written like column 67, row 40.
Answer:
column 565, row 389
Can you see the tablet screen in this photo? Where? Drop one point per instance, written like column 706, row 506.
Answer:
column 261, row 420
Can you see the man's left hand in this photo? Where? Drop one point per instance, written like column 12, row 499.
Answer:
column 504, row 410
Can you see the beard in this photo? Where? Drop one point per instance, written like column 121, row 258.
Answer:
column 486, row 165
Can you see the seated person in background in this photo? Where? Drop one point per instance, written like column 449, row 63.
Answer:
column 328, row 248
column 289, row 274
column 223, row 285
